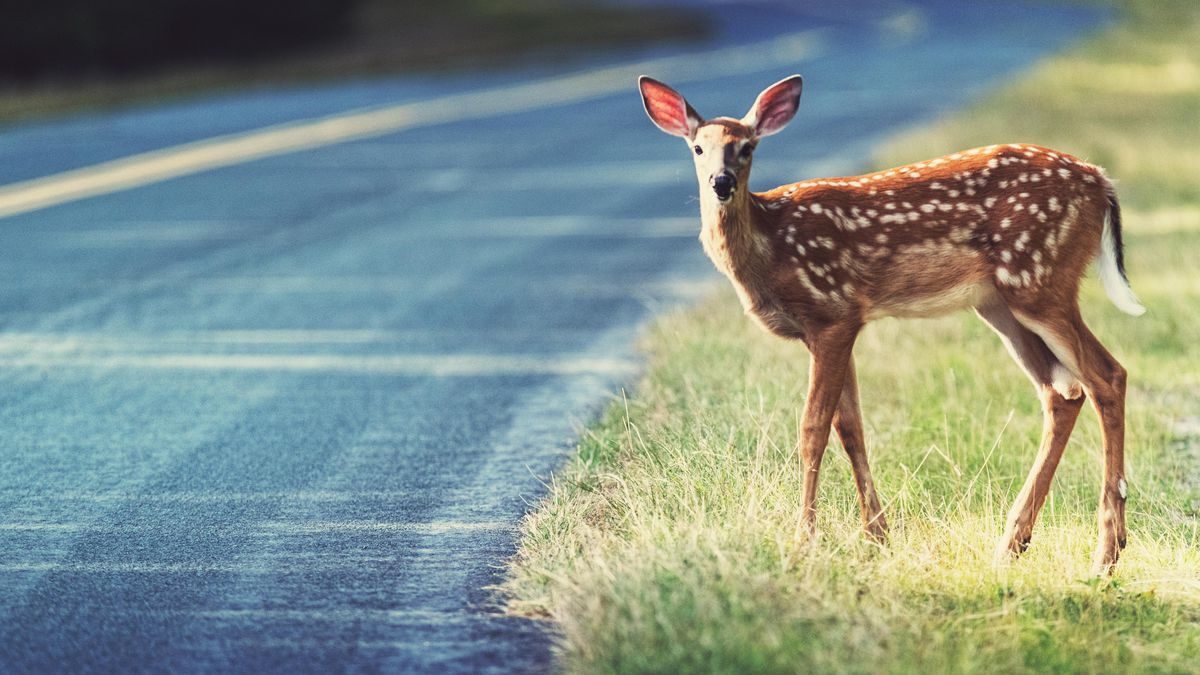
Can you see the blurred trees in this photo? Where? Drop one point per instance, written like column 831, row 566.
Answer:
column 46, row 37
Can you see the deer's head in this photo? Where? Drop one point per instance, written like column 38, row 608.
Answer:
column 723, row 147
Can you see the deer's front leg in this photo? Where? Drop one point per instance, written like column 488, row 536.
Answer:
column 848, row 424
column 831, row 351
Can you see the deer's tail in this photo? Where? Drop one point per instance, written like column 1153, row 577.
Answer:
column 1112, row 260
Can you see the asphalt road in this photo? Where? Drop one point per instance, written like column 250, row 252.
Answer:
column 284, row 415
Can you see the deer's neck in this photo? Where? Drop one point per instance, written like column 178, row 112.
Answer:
column 731, row 238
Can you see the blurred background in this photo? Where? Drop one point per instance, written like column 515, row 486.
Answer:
column 65, row 54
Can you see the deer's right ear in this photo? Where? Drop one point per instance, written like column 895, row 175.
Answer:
column 667, row 109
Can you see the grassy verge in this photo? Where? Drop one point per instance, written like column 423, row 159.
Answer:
column 385, row 37
column 667, row 546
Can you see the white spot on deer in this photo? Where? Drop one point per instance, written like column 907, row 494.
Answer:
column 913, row 216
column 928, row 208
column 800, row 249
column 989, row 202
column 1053, row 204
column 1122, row 488
column 890, row 205
column 827, row 242
column 1025, row 277
column 790, row 239
column 1046, row 172
column 871, row 213
column 1005, row 222
column 1006, row 255
column 1037, row 256
column 956, row 156
column 1028, row 153
column 996, row 237
column 1022, row 241
column 1033, row 208
column 935, row 186
column 881, row 238
column 914, row 174
column 1065, row 173
column 945, row 206
column 1023, row 178
column 952, row 194
column 992, row 163
column 1003, row 185
column 1089, row 178
column 1019, row 207
column 1004, row 277
column 1042, row 217
column 906, row 205
column 816, row 208
column 808, row 284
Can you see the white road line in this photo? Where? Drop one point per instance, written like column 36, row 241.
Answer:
column 189, row 158
column 69, row 341
column 449, row 365
column 214, row 497
column 282, row 527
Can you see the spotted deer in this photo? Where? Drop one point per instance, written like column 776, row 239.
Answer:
column 1007, row 230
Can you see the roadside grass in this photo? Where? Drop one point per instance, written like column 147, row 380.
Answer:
column 385, row 38
column 669, row 543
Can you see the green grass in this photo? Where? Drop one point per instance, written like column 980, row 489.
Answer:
column 385, row 38
column 669, row 543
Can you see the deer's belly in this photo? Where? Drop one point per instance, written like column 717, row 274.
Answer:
column 931, row 304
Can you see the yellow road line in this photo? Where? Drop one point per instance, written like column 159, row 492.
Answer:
column 221, row 151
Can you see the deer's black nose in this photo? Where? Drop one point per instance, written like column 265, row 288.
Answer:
column 723, row 184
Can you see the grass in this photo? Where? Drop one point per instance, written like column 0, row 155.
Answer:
column 668, row 545
column 385, row 38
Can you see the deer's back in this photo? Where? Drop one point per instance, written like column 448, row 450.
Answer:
column 934, row 236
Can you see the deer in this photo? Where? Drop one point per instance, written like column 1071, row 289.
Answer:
column 1007, row 230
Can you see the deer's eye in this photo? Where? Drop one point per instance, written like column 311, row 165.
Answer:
column 746, row 150
column 698, row 149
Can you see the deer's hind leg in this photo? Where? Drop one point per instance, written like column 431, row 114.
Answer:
column 1061, row 399
column 1104, row 378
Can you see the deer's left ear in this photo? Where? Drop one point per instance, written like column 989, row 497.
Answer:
column 775, row 106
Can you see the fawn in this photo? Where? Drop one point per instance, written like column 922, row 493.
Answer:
column 1007, row 230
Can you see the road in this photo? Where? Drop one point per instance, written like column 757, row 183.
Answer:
column 283, row 413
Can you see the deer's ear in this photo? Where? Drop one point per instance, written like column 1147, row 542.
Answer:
column 775, row 106
column 667, row 109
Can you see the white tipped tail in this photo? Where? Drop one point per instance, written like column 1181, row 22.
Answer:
column 1111, row 262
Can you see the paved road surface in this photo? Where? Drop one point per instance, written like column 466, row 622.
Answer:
column 284, row 415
